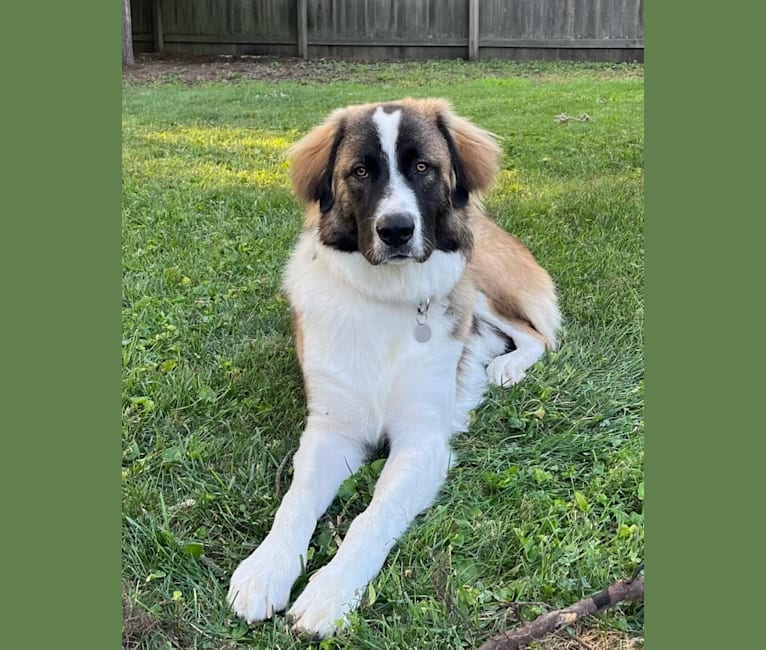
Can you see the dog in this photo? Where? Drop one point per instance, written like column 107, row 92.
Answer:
column 407, row 300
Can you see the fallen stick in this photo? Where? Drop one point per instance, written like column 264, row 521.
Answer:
column 555, row 620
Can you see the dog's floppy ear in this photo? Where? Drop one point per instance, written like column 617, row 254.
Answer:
column 313, row 160
column 475, row 155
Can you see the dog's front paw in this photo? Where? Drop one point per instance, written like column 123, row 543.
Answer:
column 506, row 370
column 261, row 583
column 322, row 607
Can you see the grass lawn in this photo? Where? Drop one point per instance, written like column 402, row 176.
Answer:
column 546, row 503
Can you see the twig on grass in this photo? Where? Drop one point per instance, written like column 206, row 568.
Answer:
column 204, row 560
column 555, row 620
column 278, row 479
column 563, row 117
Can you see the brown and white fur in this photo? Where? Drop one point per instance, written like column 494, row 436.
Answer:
column 393, row 223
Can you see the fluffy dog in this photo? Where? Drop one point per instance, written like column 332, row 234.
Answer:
column 406, row 301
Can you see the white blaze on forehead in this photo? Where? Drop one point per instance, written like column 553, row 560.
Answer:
column 398, row 197
column 387, row 125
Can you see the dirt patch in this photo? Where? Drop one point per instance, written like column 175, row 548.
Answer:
column 137, row 625
column 141, row 629
column 590, row 640
column 191, row 69
column 196, row 69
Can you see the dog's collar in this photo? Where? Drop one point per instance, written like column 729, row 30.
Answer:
column 422, row 330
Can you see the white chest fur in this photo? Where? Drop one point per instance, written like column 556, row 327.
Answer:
column 361, row 360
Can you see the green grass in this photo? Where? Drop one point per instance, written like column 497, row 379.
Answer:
column 546, row 503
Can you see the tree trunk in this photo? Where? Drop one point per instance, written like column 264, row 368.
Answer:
column 127, row 35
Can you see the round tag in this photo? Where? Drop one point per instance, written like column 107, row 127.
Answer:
column 422, row 332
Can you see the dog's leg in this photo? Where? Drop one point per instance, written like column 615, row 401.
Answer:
column 416, row 467
column 510, row 368
column 261, row 583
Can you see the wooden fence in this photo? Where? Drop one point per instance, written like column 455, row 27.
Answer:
column 602, row 30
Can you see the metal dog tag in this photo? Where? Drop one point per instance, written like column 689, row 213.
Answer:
column 422, row 332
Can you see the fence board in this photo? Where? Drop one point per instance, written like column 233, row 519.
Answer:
column 396, row 28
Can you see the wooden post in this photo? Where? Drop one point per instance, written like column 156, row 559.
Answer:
column 473, row 30
column 303, row 31
column 159, row 37
column 127, row 35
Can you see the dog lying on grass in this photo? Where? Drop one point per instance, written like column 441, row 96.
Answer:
column 406, row 300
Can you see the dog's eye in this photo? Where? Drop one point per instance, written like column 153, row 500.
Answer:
column 421, row 167
column 360, row 171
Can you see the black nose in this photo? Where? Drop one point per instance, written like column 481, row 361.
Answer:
column 395, row 229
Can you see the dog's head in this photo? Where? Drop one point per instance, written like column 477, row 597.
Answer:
column 391, row 180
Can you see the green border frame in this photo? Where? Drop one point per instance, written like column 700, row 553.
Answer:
column 704, row 172
column 60, row 261
column 59, row 258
